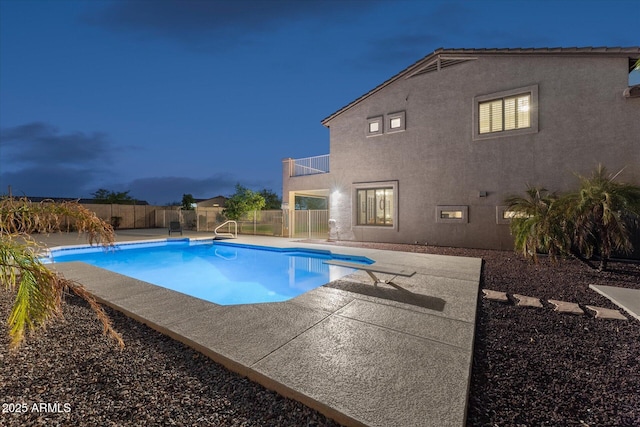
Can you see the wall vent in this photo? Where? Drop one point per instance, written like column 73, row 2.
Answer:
column 438, row 64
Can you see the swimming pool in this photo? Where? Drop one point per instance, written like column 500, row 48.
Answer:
column 219, row 272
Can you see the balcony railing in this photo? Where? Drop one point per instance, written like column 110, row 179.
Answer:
column 309, row 165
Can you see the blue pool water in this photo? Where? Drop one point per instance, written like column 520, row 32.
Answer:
column 214, row 271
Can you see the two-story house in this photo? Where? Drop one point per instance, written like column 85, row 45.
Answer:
column 429, row 155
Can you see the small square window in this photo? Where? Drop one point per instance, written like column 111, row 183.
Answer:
column 396, row 122
column 374, row 126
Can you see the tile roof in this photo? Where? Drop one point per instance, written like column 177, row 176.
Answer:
column 632, row 51
column 541, row 50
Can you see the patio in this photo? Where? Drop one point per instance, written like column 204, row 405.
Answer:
column 360, row 355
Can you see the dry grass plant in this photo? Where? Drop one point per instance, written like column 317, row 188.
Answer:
column 39, row 292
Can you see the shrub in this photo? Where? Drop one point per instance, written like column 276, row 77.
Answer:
column 595, row 220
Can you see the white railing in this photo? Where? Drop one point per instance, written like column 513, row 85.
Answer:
column 309, row 165
column 228, row 233
column 310, row 224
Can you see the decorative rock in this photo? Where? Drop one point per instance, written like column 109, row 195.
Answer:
column 495, row 295
column 525, row 301
column 566, row 307
column 607, row 313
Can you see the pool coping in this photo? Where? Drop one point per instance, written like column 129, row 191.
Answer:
column 357, row 356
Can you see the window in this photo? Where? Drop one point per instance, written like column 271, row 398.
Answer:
column 374, row 126
column 504, row 215
column 506, row 113
column 375, row 206
column 513, row 214
column 452, row 214
column 396, row 122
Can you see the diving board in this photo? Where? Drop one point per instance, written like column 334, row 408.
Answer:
column 370, row 269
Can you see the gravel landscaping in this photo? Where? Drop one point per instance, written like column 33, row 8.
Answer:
column 532, row 366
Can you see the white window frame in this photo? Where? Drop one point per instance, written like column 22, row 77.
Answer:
column 393, row 185
column 533, row 112
column 379, row 120
column 400, row 115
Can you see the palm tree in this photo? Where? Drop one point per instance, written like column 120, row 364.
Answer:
column 537, row 223
column 38, row 290
column 604, row 213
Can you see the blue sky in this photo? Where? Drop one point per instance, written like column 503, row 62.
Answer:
column 167, row 97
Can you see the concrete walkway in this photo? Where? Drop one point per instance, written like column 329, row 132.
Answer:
column 362, row 355
column 627, row 299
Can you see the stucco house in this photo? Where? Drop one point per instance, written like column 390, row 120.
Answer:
column 214, row 202
column 429, row 155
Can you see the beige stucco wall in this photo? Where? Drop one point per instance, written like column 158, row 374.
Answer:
column 583, row 120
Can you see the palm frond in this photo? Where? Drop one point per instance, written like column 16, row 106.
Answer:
column 604, row 212
column 39, row 291
column 538, row 226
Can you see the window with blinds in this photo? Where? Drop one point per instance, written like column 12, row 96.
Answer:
column 503, row 114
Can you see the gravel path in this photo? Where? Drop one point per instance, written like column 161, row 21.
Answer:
column 531, row 366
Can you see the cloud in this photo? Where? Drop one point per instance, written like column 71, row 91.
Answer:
column 216, row 24
column 413, row 36
column 168, row 189
column 47, row 182
column 447, row 24
column 42, row 144
column 38, row 160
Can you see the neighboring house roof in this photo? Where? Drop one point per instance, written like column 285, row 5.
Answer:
column 218, row 200
column 441, row 58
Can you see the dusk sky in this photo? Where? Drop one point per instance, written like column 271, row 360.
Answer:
column 167, row 97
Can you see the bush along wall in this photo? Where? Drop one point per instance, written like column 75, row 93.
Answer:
column 598, row 221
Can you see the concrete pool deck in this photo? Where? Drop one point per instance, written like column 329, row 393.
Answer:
column 362, row 355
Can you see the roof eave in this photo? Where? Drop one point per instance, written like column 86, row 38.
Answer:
column 633, row 51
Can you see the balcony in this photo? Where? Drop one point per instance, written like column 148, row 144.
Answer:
column 309, row 165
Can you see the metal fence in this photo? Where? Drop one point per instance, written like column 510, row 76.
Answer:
column 265, row 223
column 310, row 224
column 186, row 218
column 304, row 224
column 209, row 218
column 262, row 223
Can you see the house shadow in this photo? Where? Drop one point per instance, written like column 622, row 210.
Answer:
column 397, row 294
